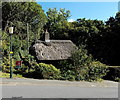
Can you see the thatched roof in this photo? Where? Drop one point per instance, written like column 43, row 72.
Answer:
column 53, row 50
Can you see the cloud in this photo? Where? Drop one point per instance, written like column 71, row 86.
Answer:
column 71, row 20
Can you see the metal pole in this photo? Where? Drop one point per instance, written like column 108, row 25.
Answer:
column 11, row 56
column 28, row 43
column 28, row 37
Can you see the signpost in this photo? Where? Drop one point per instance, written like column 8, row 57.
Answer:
column 11, row 52
column 18, row 64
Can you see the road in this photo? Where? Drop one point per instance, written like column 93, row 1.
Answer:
column 58, row 89
column 58, row 92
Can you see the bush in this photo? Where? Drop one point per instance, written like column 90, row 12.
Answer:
column 96, row 71
column 81, row 66
column 76, row 68
column 47, row 71
column 113, row 74
column 6, row 64
column 68, row 75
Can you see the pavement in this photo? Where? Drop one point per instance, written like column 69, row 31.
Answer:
column 26, row 81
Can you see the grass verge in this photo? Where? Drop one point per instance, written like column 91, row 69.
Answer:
column 7, row 75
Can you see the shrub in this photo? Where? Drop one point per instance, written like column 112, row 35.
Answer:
column 81, row 66
column 80, row 58
column 47, row 71
column 68, row 75
column 113, row 74
column 96, row 71
column 76, row 68
column 6, row 64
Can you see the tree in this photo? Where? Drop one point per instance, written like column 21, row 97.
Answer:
column 19, row 14
column 111, row 40
column 85, row 30
column 27, row 18
column 57, row 22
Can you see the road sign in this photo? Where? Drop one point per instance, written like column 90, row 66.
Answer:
column 18, row 64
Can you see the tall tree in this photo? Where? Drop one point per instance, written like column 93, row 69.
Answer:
column 19, row 14
column 111, row 40
column 22, row 16
column 56, row 22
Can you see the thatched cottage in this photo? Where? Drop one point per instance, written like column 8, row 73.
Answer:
column 53, row 49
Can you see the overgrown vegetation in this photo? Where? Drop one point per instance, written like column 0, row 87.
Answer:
column 100, row 40
column 81, row 66
column 44, row 71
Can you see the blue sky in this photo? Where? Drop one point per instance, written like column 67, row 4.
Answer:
column 88, row 10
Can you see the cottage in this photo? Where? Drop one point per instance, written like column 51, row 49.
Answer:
column 53, row 49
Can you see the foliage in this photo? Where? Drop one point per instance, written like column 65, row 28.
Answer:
column 18, row 15
column 68, row 75
column 84, row 30
column 81, row 66
column 76, row 65
column 97, row 70
column 47, row 71
column 101, row 40
column 57, row 23
column 7, row 75
column 113, row 74
column 6, row 64
column 110, row 41
column 28, row 20
column 43, row 71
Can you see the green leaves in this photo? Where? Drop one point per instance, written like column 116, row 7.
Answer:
column 97, row 70
column 18, row 14
column 47, row 71
column 81, row 66
column 22, row 13
column 57, row 23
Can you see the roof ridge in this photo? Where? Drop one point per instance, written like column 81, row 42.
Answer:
column 55, row 41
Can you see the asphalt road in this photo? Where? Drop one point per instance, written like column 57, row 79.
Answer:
column 58, row 92
column 30, row 88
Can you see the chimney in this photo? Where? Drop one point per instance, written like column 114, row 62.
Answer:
column 47, row 36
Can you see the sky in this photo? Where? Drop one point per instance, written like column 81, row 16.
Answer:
column 88, row 10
